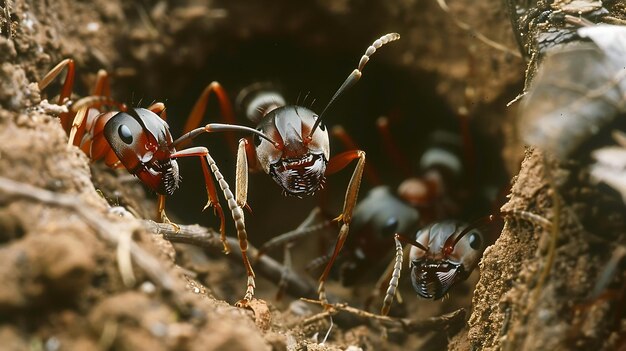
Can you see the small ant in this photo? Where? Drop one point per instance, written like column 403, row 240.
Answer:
column 438, row 261
column 442, row 254
column 139, row 140
column 419, row 200
column 296, row 153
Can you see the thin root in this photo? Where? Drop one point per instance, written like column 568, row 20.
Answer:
column 445, row 321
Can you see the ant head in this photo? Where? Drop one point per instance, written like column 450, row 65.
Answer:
column 454, row 250
column 142, row 142
column 296, row 162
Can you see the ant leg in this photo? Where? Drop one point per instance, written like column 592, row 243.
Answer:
column 236, row 211
column 161, row 213
column 210, row 189
column 78, row 121
column 159, row 109
column 103, row 85
column 392, row 149
column 226, row 108
column 241, row 184
column 335, row 164
column 370, row 173
column 66, row 90
column 101, row 89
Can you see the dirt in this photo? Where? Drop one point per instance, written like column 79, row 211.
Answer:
column 65, row 284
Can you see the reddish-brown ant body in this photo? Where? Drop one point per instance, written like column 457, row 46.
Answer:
column 139, row 140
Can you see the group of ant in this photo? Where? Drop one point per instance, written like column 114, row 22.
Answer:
column 291, row 144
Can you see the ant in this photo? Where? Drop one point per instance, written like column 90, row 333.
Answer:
column 139, row 140
column 296, row 151
column 434, row 193
column 444, row 255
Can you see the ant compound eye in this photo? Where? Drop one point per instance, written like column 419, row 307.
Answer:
column 257, row 138
column 125, row 134
column 390, row 227
column 475, row 241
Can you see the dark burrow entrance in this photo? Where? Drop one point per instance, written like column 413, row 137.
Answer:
column 311, row 77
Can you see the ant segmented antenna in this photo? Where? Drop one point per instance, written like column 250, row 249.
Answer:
column 356, row 74
column 409, row 241
column 220, row 127
column 450, row 244
column 395, row 278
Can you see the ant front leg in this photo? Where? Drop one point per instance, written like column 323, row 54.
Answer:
column 236, row 211
column 161, row 213
column 241, row 175
column 226, row 108
column 101, row 95
column 337, row 163
column 66, row 90
column 210, row 189
column 370, row 173
column 241, row 201
column 159, row 109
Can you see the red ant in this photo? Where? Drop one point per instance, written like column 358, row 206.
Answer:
column 139, row 140
column 296, row 153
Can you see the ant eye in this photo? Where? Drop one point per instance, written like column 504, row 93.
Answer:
column 475, row 241
column 257, row 138
column 390, row 227
column 125, row 134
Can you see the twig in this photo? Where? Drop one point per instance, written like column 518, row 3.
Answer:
column 307, row 227
column 108, row 230
column 208, row 238
column 445, row 321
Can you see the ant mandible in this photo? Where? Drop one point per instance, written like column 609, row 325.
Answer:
column 139, row 140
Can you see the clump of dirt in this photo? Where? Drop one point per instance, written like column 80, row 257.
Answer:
column 534, row 295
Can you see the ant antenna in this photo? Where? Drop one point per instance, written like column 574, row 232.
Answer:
column 219, row 127
column 356, row 74
column 448, row 248
column 409, row 241
column 395, row 278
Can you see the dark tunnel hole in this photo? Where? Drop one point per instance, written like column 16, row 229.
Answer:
column 386, row 89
